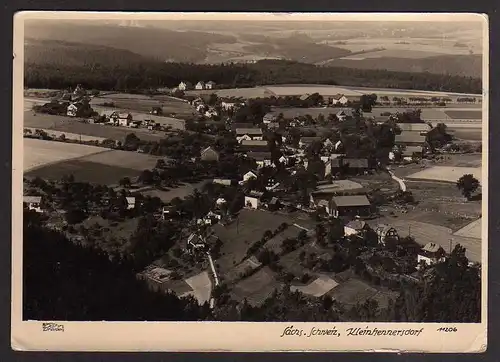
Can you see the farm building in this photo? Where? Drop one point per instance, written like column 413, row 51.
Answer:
column 386, row 234
column 72, row 110
column 268, row 118
column 422, row 128
column 262, row 159
column 253, row 200
column 254, row 145
column 33, row 203
column 339, row 99
column 200, row 85
column 410, row 138
column 210, row 85
column 209, row 154
column 222, row 181
column 411, row 153
column 236, row 125
column 356, row 165
column 355, row 227
column 124, row 119
column 340, row 187
column 431, row 253
column 344, row 114
column 248, row 134
column 356, row 205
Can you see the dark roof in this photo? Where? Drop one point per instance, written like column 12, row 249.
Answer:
column 269, row 116
column 32, row 199
column 418, row 127
column 249, row 131
column 310, row 139
column 410, row 150
column 258, row 143
column 236, row 125
column 354, row 200
column 410, row 137
column 356, row 162
column 259, row 156
column 432, row 247
column 208, row 149
column 346, row 112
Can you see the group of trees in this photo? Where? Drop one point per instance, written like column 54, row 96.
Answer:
column 154, row 75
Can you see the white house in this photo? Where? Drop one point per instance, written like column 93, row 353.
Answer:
column 33, row 203
column 249, row 175
column 130, row 202
column 337, row 145
column 355, row 227
column 340, row 99
column 211, row 113
column 386, row 234
column 252, row 200
column 200, row 85
column 183, row 86
column 343, row 114
column 124, row 119
column 229, row 105
column 431, row 253
column 72, row 110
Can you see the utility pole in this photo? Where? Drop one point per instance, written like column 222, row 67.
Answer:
column 409, row 230
column 450, row 245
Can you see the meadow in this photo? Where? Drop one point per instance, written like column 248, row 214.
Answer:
column 39, row 153
column 446, row 173
column 52, row 160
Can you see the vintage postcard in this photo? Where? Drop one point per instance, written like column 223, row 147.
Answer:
column 250, row 182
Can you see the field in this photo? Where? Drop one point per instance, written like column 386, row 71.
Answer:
column 39, row 153
column 464, row 114
column 238, row 236
column 256, row 288
column 317, row 287
column 72, row 125
column 355, row 291
column 68, row 135
column 274, row 243
column 103, row 167
column 446, row 173
column 144, row 104
column 473, row 230
column 181, row 191
column 426, row 233
column 467, row 135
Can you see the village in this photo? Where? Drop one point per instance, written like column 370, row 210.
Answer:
column 349, row 203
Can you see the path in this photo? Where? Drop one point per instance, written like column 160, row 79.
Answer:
column 402, row 185
column 212, row 266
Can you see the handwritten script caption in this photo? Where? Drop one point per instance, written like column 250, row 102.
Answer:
column 292, row 331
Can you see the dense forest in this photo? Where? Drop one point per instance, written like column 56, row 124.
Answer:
column 133, row 76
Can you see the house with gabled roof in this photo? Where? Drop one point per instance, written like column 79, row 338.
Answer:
column 210, row 85
column 249, row 134
column 184, row 86
column 431, row 253
column 209, row 154
column 262, row 159
column 200, row 85
column 33, row 203
column 386, row 234
column 344, row 114
column 352, row 205
column 410, row 138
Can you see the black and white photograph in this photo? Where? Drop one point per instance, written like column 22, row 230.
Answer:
column 307, row 176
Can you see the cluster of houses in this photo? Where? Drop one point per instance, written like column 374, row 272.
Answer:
column 201, row 85
column 152, row 120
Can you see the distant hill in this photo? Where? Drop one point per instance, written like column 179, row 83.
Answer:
column 464, row 65
column 162, row 44
column 54, row 52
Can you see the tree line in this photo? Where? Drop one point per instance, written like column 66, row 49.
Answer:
column 135, row 77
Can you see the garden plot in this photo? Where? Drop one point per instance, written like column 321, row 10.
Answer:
column 274, row 244
column 256, row 288
column 245, row 266
column 446, row 173
column 38, row 153
column 202, row 287
column 318, row 287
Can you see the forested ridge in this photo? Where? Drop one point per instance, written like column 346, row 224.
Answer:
column 129, row 76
